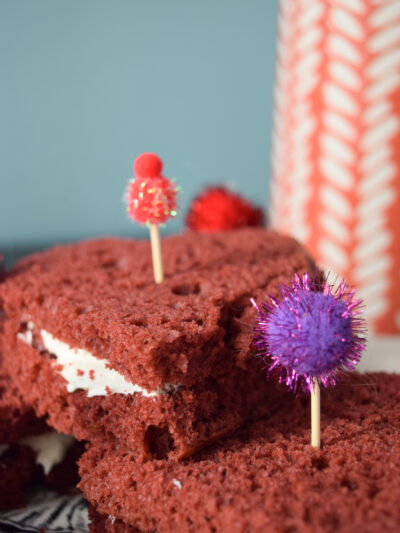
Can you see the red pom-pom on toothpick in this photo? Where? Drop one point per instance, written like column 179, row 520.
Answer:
column 151, row 200
column 219, row 209
column 147, row 165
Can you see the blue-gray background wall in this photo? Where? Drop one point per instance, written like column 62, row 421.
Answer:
column 86, row 85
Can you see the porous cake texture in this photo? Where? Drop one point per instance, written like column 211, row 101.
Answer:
column 99, row 523
column 266, row 476
column 26, row 457
column 17, row 463
column 30, row 451
column 92, row 342
column 16, row 419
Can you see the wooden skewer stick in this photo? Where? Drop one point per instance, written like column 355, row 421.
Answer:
column 315, row 416
column 156, row 253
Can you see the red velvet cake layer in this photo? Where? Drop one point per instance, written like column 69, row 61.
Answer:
column 104, row 524
column 19, row 465
column 16, row 420
column 266, row 477
column 191, row 336
column 22, row 456
column 100, row 296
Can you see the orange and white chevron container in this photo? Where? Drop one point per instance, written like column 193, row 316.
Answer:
column 335, row 181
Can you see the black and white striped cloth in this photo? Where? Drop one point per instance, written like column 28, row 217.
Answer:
column 47, row 512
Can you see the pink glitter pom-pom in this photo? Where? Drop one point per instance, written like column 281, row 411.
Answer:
column 151, row 200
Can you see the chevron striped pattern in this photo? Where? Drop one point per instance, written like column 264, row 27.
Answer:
column 336, row 143
column 48, row 511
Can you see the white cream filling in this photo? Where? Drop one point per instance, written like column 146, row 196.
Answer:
column 50, row 448
column 84, row 371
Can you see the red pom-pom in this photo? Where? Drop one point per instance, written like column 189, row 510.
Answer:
column 147, row 165
column 151, row 200
column 219, row 209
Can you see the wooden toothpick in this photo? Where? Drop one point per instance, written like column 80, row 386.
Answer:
column 156, row 253
column 315, row 416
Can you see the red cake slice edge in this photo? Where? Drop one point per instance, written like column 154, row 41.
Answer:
column 196, row 328
column 266, row 477
column 23, row 458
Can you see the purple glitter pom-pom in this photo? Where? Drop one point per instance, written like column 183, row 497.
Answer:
column 313, row 331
